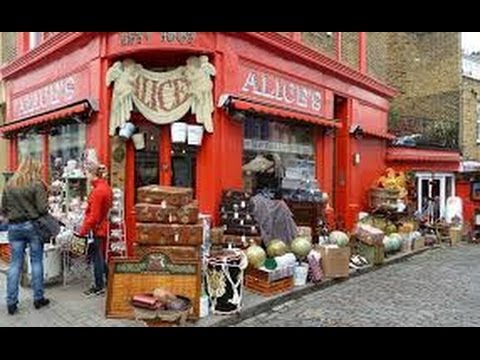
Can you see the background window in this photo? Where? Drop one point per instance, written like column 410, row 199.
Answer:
column 278, row 157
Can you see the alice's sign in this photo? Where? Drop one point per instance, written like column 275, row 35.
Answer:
column 282, row 91
column 46, row 98
column 162, row 97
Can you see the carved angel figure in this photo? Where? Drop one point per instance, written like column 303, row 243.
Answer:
column 199, row 73
column 123, row 75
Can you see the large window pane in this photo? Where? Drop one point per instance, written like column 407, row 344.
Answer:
column 278, row 156
column 66, row 143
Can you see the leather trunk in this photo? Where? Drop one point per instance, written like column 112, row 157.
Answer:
column 168, row 195
column 154, row 213
column 247, row 230
column 237, row 219
column 169, row 234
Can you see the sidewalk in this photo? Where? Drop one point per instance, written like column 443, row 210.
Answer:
column 69, row 308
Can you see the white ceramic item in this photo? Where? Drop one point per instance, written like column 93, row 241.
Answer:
column 195, row 135
column 179, row 132
column 300, row 274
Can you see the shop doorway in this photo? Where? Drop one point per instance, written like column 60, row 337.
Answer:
column 339, row 166
column 433, row 190
column 147, row 161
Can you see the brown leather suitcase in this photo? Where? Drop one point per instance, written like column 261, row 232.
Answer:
column 169, row 234
column 247, row 230
column 179, row 254
column 154, row 213
column 166, row 195
column 237, row 219
column 241, row 241
column 216, row 236
column 233, row 195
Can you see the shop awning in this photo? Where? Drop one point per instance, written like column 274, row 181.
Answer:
column 281, row 113
column 422, row 155
column 45, row 118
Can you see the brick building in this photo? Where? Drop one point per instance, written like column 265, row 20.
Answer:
column 425, row 67
column 471, row 107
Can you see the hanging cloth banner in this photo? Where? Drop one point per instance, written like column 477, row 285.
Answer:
column 162, row 97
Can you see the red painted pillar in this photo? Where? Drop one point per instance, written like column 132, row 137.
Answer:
column 219, row 161
column 362, row 48
column 12, row 154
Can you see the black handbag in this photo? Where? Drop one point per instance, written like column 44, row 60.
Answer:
column 48, row 227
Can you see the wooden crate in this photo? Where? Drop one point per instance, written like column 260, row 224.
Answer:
column 270, row 276
column 265, row 288
column 177, row 269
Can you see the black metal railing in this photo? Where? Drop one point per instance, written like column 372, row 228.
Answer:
column 425, row 133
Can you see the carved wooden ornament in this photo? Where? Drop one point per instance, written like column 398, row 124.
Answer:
column 162, row 97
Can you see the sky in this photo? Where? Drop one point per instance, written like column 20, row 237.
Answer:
column 471, row 41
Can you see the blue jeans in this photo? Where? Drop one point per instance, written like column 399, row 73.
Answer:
column 100, row 268
column 20, row 235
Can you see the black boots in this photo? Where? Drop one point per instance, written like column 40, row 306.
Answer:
column 41, row 303
column 12, row 309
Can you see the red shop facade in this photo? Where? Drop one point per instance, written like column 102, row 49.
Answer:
column 259, row 78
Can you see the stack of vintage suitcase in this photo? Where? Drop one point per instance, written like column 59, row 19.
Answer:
column 168, row 225
column 237, row 220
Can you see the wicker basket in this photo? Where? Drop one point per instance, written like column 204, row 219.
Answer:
column 265, row 288
column 380, row 197
column 124, row 284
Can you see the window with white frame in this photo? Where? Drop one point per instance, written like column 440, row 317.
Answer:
column 34, row 39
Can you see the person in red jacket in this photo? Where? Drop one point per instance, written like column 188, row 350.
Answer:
column 95, row 223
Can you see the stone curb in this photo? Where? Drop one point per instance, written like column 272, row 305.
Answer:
column 282, row 299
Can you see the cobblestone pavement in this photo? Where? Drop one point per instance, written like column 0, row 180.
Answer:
column 437, row 288
column 68, row 308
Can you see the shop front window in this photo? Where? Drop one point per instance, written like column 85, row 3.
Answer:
column 278, row 157
column 30, row 145
column 66, row 143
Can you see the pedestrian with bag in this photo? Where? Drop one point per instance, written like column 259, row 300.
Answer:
column 24, row 203
column 95, row 224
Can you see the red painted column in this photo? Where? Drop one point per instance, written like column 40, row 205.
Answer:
column 362, row 48
column 165, row 156
column 12, row 154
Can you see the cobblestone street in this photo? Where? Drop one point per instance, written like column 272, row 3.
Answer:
column 437, row 288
